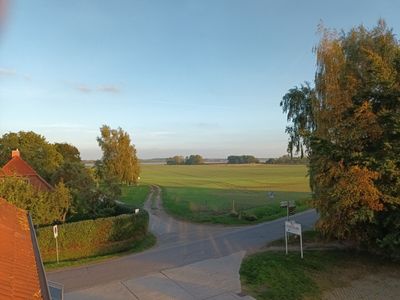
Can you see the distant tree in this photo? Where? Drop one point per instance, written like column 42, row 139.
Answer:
column 194, row 160
column 176, row 160
column 119, row 159
column 69, row 152
column 242, row 159
column 34, row 148
column 288, row 160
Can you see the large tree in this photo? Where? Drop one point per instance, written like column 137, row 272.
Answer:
column 34, row 148
column 119, row 159
column 349, row 126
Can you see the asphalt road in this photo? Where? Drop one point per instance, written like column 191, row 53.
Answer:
column 179, row 243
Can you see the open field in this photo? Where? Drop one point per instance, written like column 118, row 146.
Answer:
column 208, row 193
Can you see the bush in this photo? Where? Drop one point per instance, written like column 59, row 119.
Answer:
column 93, row 237
column 249, row 217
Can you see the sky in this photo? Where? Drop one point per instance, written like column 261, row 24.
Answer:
column 181, row 77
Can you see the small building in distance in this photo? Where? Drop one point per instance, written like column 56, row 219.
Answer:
column 18, row 167
column 21, row 269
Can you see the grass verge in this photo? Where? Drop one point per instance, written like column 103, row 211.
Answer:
column 148, row 242
column 274, row 275
column 134, row 196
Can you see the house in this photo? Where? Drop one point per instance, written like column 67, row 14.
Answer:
column 22, row 274
column 18, row 167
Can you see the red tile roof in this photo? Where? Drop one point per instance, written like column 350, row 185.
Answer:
column 17, row 166
column 21, row 269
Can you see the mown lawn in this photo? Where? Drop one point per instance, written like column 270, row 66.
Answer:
column 208, row 193
column 274, row 275
column 134, row 196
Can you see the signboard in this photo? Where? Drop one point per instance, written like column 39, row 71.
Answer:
column 55, row 231
column 136, row 211
column 293, row 227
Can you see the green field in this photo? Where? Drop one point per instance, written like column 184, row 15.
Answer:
column 134, row 196
column 207, row 193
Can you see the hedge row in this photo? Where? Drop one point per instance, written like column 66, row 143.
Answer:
column 93, row 237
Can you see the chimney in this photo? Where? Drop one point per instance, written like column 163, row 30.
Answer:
column 15, row 153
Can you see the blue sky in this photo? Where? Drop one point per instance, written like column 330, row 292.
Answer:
column 182, row 77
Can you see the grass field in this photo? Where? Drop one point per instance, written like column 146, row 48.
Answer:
column 208, row 193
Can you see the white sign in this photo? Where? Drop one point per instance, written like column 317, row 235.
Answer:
column 136, row 211
column 55, row 231
column 293, row 227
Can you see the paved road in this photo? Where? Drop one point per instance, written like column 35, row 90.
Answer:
column 179, row 244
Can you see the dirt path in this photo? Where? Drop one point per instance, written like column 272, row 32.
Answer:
column 170, row 230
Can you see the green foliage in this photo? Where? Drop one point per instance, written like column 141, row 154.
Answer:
column 242, row 159
column 288, row 160
column 45, row 207
column 175, row 160
column 93, row 237
column 119, row 161
column 40, row 154
column 194, row 160
column 349, row 124
column 69, row 152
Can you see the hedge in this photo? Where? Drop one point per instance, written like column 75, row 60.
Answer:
column 92, row 237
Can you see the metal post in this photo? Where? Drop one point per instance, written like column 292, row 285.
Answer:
column 287, row 210
column 301, row 244
column 286, row 240
column 57, row 249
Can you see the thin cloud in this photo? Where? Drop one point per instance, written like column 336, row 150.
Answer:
column 7, row 72
column 12, row 73
column 106, row 88
column 83, row 88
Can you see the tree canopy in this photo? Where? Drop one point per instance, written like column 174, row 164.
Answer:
column 119, row 159
column 45, row 207
column 35, row 149
column 349, row 126
column 242, row 159
column 175, row 160
column 194, row 159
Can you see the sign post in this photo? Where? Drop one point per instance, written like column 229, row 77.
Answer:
column 55, row 232
column 294, row 228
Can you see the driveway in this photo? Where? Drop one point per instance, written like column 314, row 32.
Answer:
column 188, row 260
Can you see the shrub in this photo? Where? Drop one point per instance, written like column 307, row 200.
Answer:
column 249, row 217
column 93, row 237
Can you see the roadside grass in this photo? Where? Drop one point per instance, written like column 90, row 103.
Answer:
column 274, row 275
column 148, row 242
column 205, row 193
column 134, row 196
